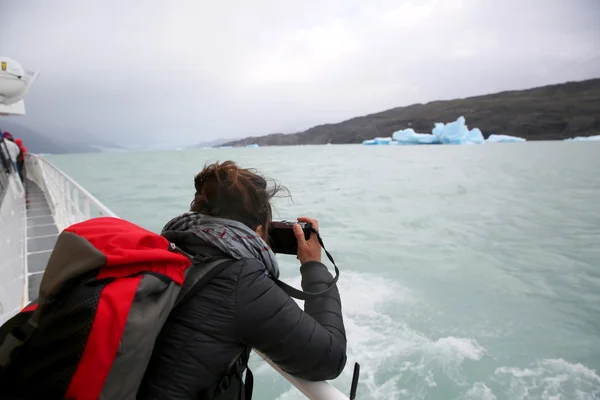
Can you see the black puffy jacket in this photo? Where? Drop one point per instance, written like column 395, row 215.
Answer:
column 242, row 307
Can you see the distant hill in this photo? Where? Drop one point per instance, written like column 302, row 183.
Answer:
column 551, row 112
column 50, row 143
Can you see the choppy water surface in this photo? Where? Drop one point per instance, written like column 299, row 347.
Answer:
column 467, row 271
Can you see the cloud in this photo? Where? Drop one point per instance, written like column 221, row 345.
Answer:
column 188, row 71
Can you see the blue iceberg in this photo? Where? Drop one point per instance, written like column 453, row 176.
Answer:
column 584, row 138
column 456, row 132
column 409, row 136
column 378, row 141
column 504, row 139
column 253, row 145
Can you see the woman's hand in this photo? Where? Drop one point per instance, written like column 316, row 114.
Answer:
column 308, row 250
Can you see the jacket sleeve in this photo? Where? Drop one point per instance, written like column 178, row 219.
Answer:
column 309, row 344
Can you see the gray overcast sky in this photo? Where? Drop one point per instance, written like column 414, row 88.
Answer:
column 188, row 71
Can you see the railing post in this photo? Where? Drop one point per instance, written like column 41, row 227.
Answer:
column 86, row 207
column 61, row 198
column 76, row 204
column 69, row 188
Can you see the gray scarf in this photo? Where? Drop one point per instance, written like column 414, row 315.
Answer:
column 232, row 237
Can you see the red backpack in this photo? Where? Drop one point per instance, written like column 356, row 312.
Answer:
column 107, row 291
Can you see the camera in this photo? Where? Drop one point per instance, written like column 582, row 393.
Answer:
column 281, row 236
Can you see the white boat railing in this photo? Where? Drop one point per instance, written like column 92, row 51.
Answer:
column 321, row 390
column 71, row 203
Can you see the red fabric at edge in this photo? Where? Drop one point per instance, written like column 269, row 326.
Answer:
column 30, row 307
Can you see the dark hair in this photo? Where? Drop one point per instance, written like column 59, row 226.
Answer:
column 225, row 190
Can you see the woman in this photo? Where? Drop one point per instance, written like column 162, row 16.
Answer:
column 211, row 334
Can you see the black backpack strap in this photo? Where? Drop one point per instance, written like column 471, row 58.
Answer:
column 16, row 338
column 237, row 368
column 302, row 295
column 204, row 268
column 249, row 384
column 232, row 385
column 208, row 271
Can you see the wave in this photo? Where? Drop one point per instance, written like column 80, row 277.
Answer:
column 389, row 351
column 549, row 379
column 399, row 362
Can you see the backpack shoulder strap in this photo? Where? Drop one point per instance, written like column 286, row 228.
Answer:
column 203, row 269
column 16, row 338
column 232, row 385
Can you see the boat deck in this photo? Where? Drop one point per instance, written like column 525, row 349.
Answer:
column 41, row 235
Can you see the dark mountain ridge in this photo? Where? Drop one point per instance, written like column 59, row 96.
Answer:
column 552, row 112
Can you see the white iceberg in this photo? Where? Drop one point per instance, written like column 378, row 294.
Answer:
column 584, row 138
column 504, row 139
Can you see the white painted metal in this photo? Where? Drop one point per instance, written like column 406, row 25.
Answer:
column 322, row 390
column 65, row 196
column 17, row 108
column 13, row 249
column 15, row 81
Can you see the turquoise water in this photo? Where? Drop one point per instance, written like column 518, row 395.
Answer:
column 467, row 271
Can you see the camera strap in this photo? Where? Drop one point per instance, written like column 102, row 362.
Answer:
column 302, row 295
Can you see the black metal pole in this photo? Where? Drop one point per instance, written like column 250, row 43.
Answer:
column 354, row 381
